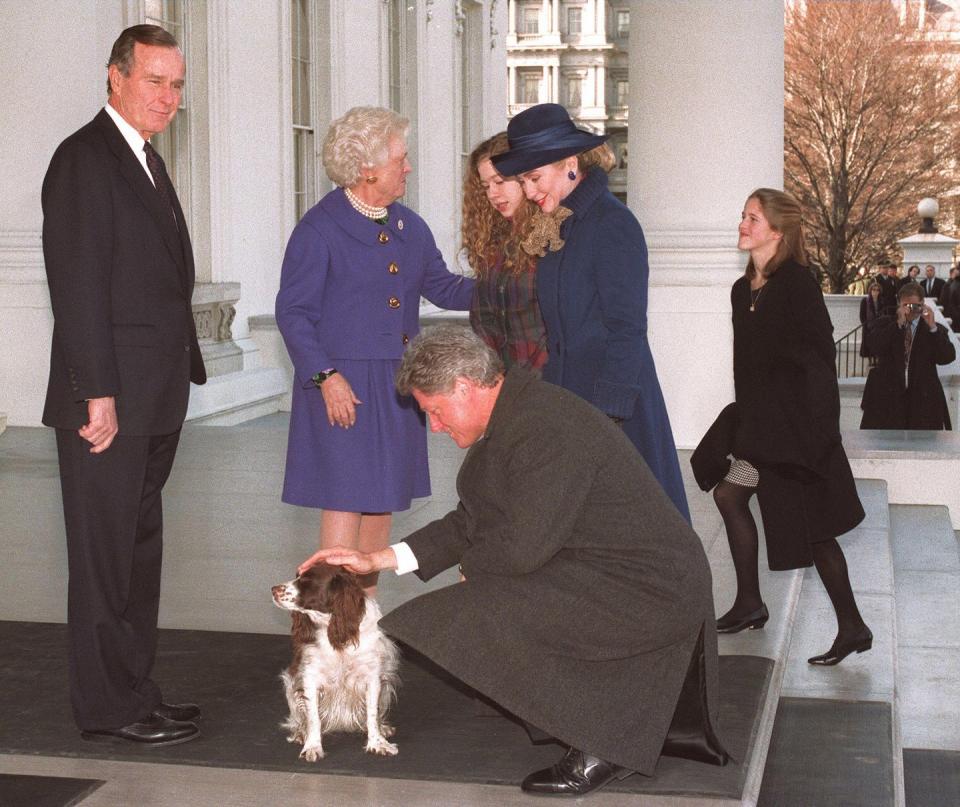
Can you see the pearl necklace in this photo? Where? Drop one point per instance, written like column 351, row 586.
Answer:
column 378, row 214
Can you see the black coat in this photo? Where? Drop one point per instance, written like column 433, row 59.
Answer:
column 936, row 291
column 121, row 274
column 586, row 591
column 788, row 415
column 890, row 403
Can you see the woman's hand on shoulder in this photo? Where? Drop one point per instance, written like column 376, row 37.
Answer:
column 340, row 401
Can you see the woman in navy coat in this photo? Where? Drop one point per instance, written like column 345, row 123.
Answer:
column 354, row 271
column 592, row 282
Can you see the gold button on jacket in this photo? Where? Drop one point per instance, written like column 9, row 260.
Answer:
column 393, row 302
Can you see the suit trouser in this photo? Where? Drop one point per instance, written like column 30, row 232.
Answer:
column 114, row 524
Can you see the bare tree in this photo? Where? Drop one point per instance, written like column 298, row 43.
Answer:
column 870, row 127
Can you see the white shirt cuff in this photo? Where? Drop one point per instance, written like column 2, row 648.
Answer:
column 406, row 561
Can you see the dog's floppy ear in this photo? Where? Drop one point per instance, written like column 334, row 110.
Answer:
column 347, row 606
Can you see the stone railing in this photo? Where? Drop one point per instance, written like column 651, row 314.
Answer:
column 213, row 313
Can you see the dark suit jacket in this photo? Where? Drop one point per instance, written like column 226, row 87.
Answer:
column 888, row 402
column 121, row 274
column 938, row 284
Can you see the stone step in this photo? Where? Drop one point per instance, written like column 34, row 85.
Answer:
column 927, row 584
column 227, row 400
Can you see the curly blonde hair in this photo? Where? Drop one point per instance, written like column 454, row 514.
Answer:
column 486, row 234
column 360, row 139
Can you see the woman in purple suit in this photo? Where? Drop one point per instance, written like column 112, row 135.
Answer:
column 353, row 274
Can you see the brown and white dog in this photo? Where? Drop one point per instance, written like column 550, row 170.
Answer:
column 343, row 675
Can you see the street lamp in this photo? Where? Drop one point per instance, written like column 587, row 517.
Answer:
column 928, row 210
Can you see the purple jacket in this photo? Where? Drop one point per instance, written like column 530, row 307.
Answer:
column 350, row 288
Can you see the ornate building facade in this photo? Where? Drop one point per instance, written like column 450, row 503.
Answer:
column 574, row 53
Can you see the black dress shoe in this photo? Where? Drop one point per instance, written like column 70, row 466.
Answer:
column 575, row 775
column 151, row 731
column 859, row 643
column 180, row 712
column 752, row 621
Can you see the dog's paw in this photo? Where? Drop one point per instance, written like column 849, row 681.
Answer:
column 295, row 737
column 381, row 747
column 312, row 753
column 387, row 730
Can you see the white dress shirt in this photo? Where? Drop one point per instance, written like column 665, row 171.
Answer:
column 132, row 136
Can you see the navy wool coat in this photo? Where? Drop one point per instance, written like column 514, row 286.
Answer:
column 586, row 591
column 593, row 296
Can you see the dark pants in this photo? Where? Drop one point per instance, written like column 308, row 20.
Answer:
column 114, row 523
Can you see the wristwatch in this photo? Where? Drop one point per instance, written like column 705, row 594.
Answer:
column 319, row 378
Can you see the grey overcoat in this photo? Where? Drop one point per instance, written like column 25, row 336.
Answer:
column 586, row 591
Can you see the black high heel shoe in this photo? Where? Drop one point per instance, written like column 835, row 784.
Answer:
column 752, row 621
column 860, row 643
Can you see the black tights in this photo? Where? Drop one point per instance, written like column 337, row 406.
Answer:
column 733, row 501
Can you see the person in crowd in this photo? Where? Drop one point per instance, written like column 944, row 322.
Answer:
column 949, row 299
column 592, row 281
column 869, row 315
column 354, row 271
column 497, row 217
column 784, row 429
column 932, row 285
column 904, row 391
column 888, row 282
column 912, row 276
column 587, row 606
column 120, row 272
column 860, row 283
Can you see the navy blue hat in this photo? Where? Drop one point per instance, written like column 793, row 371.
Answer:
column 542, row 135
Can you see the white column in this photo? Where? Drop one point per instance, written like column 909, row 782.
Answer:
column 512, row 85
column 555, row 19
column 512, row 17
column 706, row 128
column 600, row 26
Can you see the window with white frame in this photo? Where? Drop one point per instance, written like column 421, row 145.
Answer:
column 173, row 143
column 530, row 19
column 401, row 25
column 622, row 91
column 623, row 22
column 574, row 91
column 302, row 118
column 530, row 81
column 574, row 20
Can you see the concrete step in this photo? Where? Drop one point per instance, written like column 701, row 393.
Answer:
column 927, row 585
column 227, row 400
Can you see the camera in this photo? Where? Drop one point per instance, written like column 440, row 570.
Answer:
column 915, row 308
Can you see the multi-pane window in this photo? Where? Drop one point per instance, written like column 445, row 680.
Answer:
column 623, row 22
column 173, row 144
column 574, row 20
column 530, row 86
column 623, row 92
column 401, row 22
column 301, row 65
column 530, row 19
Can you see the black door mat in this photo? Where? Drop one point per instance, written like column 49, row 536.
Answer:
column 17, row 790
column 825, row 752
column 444, row 731
column 931, row 778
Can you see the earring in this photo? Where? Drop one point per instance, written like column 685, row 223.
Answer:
column 571, row 175
column 371, row 178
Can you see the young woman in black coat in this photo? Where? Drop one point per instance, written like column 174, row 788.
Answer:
column 786, row 433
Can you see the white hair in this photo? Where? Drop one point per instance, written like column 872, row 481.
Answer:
column 360, row 139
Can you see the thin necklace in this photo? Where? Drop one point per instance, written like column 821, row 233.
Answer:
column 755, row 296
column 377, row 214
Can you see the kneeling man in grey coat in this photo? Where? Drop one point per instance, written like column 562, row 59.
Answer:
column 586, row 608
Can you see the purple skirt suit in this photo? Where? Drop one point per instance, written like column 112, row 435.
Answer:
column 350, row 298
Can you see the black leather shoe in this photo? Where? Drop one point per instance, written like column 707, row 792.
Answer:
column 181, row 712
column 575, row 775
column 753, row 621
column 859, row 643
column 151, row 731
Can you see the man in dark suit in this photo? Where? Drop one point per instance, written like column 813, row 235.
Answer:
column 564, row 535
column 904, row 391
column 887, row 280
column 120, row 270
column 932, row 285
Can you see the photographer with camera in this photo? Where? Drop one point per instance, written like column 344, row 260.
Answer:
column 903, row 391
